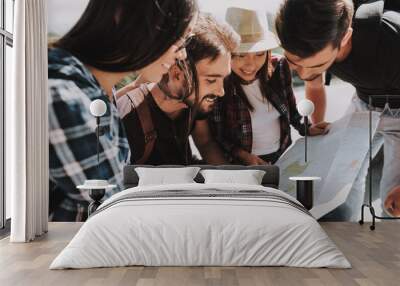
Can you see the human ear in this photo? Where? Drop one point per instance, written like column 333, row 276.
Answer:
column 347, row 37
column 175, row 73
column 175, row 78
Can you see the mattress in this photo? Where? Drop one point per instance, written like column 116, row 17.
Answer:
column 201, row 225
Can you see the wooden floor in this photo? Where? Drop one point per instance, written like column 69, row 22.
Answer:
column 375, row 257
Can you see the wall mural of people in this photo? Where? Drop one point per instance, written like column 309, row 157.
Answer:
column 184, row 87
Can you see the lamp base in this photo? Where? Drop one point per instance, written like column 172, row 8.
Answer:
column 305, row 190
column 97, row 190
column 96, row 195
column 304, row 193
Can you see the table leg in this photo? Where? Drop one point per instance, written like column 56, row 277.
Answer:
column 304, row 193
column 96, row 195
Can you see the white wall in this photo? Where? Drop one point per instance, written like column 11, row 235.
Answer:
column 218, row 7
column 63, row 14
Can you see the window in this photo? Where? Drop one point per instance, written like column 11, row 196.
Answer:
column 6, row 44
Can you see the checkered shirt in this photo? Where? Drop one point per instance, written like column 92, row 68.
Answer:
column 230, row 120
column 72, row 137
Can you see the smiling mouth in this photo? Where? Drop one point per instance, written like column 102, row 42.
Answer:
column 211, row 98
column 247, row 72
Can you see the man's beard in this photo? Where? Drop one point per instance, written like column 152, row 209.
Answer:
column 179, row 95
column 201, row 111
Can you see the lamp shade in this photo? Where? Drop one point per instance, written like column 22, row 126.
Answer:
column 305, row 107
column 98, row 108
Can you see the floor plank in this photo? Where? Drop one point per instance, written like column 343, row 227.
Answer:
column 374, row 255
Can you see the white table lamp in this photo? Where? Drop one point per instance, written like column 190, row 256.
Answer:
column 97, row 187
column 98, row 108
column 304, row 185
column 305, row 108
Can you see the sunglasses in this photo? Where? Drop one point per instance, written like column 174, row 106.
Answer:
column 186, row 42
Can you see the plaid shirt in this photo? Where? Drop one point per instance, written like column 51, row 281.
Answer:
column 72, row 137
column 230, row 120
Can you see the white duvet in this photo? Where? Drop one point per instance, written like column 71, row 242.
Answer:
column 202, row 231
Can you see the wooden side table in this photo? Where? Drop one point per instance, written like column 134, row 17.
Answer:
column 304, row 190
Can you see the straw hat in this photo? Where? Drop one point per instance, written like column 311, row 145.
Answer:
column 252, row 27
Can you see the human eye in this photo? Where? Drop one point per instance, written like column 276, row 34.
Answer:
column 241, row 56
column 211, row 81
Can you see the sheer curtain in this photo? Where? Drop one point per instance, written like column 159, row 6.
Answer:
column 27, row 123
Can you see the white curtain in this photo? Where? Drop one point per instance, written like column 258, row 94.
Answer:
column 27, row 123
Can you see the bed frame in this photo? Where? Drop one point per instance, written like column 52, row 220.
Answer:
column 270, row 179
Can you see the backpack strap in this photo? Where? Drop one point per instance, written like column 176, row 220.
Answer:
column 150, row 134
column 369, row 10
column 146, row 122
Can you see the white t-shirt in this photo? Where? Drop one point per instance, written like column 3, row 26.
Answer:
column 264, row 121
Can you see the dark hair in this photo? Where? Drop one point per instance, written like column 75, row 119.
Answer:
column 233, row 83
column 211, row 39
column 305, row 27
column 127, row 35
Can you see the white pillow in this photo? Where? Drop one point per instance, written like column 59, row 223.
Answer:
column 164, row 176
column 248, row 177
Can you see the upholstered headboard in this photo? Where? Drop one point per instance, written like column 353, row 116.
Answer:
column 271, row 177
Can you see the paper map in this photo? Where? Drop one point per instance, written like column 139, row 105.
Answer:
column 336, row 157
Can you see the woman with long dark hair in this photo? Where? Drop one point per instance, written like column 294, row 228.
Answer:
column 252, row 121
column 112, row 40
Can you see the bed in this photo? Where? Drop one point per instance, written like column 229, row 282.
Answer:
column 201, row 224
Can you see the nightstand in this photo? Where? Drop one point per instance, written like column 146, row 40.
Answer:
column 97, row 190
